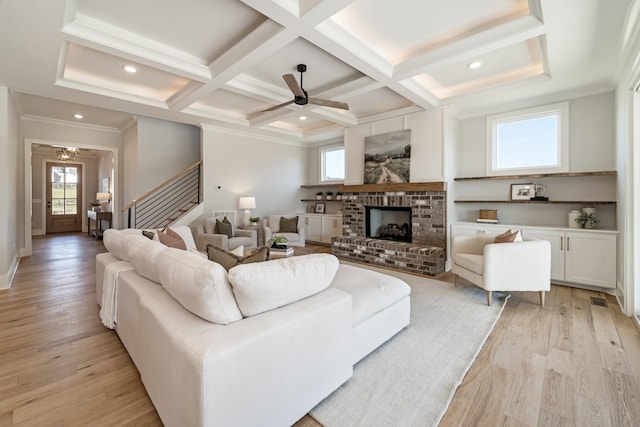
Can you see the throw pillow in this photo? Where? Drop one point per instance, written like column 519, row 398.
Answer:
column 224, row 227
column 288, row 225
column 172, row 239
column 148, row 234
column 238, row 251
column 508, row 237
column 229, row 260
column 262, row 287
column 200, row 286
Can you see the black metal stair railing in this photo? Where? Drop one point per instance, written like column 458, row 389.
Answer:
column 168, row 201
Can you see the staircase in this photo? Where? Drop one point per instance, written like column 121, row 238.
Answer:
column 167, row 202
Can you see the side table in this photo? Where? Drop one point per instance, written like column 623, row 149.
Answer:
column 102, row 221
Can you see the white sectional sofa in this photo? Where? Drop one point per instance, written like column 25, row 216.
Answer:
column 281, row 335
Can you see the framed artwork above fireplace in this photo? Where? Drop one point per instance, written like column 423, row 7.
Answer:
column 387, row 157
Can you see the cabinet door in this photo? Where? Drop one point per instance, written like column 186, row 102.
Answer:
column 331, row 226
column 557, row 240
column 313, row 231
column 591, row 259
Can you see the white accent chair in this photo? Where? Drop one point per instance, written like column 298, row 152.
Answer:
column 204, row 234
column 517, row 266
column 271, row 228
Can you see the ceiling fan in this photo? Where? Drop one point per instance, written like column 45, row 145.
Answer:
column 301, row 97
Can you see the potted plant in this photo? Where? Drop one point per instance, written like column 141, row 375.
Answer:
column 278, row 242
column 319, row 195
column 253, row 221
column 339, row 195
column 329, row 195
column 587, row 220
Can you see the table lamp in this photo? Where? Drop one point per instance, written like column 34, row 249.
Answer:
column 103, row 198
column 247, row 203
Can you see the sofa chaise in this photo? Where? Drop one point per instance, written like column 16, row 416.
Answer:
column 259, row 345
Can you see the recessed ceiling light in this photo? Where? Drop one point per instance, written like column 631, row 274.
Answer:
column 474, row 65
column 303, row 117
column 78, row 116
column 130, row 68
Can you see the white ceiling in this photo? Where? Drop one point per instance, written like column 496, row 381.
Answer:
column 221, row 61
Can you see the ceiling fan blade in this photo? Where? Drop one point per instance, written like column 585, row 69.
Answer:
column 327, row 103
column 278, row 106
column 291, row 81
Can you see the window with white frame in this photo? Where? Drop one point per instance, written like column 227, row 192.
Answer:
column 332, row 164
column 535, row 140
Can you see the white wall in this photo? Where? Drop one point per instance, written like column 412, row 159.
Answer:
column 628, row 190
column 591, row 148
column 427, row 145
column 163, row 149
column 240, row 164
column 9, row 235
column 129, row 189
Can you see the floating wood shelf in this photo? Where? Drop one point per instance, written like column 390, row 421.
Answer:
column 321, row 185
column 320, row 200
column 383, row 188
column 540, row 175
column 577, row 202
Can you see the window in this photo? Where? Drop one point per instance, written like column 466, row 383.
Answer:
column 535, row 140
column 332, row 164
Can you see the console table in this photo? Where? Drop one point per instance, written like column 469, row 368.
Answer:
column 102, row 221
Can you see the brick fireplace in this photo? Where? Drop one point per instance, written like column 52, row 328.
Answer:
column 426, row 204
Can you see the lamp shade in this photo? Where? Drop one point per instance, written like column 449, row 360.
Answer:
column 103, row 197
column 247, row 203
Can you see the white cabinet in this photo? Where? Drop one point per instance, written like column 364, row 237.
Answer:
column 580, row 256
column 590, row 258
column 558, row 242
column 322, row 227
column 331, row 226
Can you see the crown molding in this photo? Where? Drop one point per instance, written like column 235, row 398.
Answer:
column 47, row 120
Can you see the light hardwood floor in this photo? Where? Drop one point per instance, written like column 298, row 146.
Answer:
column 569, row 363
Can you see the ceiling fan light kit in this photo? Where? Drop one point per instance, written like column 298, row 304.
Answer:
column 301, row 97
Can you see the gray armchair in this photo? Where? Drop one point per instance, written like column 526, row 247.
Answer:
column 206, row 234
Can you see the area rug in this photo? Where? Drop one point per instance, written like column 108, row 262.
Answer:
column 411, row 379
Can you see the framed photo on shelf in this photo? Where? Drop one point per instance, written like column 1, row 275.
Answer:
column 319, row 207
column 522, row 191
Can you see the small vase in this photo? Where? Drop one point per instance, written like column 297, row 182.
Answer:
column 573, row 215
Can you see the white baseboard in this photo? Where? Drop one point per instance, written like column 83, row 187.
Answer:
column 636, row 320
column 6, row 279
column 37, row 232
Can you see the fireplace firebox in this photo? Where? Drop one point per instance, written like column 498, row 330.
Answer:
column 388, row 223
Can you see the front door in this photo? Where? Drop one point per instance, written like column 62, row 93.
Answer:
column 64, row 197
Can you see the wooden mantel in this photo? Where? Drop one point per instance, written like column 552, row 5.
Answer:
column 405, row 186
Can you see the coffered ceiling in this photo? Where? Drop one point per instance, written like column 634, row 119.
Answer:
column 221, row 61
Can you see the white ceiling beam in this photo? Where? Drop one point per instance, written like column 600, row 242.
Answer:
column 265, row 40
column 106, row 38
column 492, row 39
